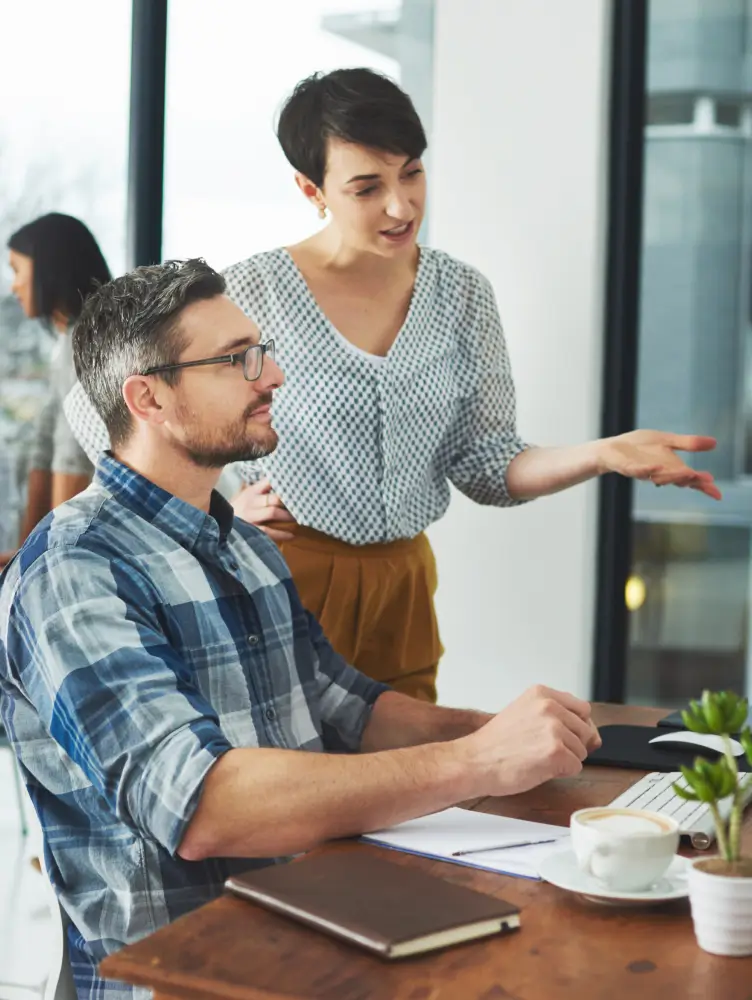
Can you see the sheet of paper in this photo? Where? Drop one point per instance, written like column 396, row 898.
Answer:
column 442, row 833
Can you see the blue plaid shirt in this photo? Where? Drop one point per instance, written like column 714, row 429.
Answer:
column 140, row 640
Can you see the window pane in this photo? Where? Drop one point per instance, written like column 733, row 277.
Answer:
column 65, row 85
column 229, row 191
column 690, row 590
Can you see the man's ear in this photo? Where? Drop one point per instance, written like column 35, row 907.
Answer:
column 141, row 395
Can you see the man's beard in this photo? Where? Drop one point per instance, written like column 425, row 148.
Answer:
column 238, row 443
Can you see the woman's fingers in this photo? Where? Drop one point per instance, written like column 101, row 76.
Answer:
column 276, row 535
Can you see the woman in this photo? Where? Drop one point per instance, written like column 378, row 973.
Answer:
column 56, row 263
column 398, row 383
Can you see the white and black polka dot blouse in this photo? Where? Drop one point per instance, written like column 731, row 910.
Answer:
column 366, row 451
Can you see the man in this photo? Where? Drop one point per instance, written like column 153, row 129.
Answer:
column 177, row 714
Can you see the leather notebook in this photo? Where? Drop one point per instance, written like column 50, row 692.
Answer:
column 630, row 746
column 392, row 910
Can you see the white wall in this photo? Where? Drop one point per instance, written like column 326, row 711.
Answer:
column 519, row 159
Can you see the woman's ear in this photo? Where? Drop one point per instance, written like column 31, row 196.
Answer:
column 312, row 193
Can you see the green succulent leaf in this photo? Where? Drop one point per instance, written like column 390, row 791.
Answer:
column 740, row 716
column 685, row 793
column 746, row 741
column 713, row 712
column 694, row 719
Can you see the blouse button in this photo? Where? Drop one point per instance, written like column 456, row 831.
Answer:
column 271, row 714
column 253, row 640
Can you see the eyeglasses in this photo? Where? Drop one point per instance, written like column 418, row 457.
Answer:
column 252, row 359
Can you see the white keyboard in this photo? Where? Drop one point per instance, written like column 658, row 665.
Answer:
column 655, row 792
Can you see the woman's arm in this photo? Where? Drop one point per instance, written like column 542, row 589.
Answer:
column 494, row 466
column 647, row 455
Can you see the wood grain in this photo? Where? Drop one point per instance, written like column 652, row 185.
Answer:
column 567, row 948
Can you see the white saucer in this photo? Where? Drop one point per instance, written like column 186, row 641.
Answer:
column 561, row 869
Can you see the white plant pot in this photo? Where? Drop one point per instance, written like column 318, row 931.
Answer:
column 721, row 911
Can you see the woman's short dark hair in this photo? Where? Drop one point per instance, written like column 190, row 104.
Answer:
column 68, row 264
column 356, row 105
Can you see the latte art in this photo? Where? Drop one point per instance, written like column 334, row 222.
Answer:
column 625, row 826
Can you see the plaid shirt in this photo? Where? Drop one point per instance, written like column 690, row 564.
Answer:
column 142, row 639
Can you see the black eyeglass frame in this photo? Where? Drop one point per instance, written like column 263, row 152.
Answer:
column 268, row 347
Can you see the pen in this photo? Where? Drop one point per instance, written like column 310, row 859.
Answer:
column 501, row 847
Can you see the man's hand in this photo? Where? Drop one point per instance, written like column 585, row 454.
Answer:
column 543, row 734
column 258, row 505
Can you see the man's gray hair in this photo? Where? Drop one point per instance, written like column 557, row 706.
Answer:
column 132, row 324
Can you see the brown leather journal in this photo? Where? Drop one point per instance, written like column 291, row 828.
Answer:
column 389, row 909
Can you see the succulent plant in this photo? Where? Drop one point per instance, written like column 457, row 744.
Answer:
column 720, row 713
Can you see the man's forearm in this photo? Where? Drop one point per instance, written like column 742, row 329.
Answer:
column 538, row 472
column 400, row 721
column 262, row 802
column 266, row 803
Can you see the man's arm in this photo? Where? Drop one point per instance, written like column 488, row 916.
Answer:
column 264, row 803
column 400, row 721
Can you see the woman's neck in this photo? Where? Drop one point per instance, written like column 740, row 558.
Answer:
column 328, row 251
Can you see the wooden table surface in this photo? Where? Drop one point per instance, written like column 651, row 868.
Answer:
column 567, row 948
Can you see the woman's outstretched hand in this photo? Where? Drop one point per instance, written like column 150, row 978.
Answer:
column 651, row 455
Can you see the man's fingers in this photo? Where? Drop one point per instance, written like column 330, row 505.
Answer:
column 576, row 749
column 569, row 701
column 595, row 740
column 582, row 729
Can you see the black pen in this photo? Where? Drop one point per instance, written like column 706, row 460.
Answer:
column 502, row 847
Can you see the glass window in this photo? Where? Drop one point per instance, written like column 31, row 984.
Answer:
column 689, row 593
column 229, row 191
column 65, row 85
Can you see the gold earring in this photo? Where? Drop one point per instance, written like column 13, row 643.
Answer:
column 322, row 211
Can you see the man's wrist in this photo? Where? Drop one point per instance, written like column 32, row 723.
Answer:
column 457, row 768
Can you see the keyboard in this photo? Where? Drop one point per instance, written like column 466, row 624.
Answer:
column 655, row 792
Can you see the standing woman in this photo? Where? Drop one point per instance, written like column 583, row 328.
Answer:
column 397, row 383
column 56, row 263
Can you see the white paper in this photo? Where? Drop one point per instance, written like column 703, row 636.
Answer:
column 442, row 833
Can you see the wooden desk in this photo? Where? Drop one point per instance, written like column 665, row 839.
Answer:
column 567, row 948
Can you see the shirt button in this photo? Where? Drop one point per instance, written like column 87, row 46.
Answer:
column 253, row 640
column 270, row 714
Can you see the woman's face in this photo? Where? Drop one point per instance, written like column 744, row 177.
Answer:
column 376, row 199
column 23, row 281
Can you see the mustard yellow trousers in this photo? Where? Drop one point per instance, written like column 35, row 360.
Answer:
column 375, row 604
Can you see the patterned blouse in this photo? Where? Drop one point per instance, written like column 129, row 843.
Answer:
column 366, row 452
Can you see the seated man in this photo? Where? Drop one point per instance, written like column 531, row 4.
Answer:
column 178, row 716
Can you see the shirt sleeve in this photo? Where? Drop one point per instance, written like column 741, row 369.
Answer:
column 486, row 424
column 85, row 424
column 85, row 643
column 346, row 696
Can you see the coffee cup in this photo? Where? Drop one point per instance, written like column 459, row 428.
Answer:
column 626, row 850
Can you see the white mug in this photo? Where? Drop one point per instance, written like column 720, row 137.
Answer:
column 623, row 849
